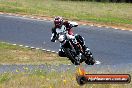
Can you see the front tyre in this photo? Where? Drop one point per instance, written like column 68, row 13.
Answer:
column 61, row 54
column 70, row 55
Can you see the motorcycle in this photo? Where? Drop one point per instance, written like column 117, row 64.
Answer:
column 75, row 52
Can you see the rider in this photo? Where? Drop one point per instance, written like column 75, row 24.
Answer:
column 67, row 27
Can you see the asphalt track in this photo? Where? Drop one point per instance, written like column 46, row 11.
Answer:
column 109, row 46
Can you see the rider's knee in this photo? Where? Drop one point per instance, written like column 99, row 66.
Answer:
column 78, row 36
column 80, row 39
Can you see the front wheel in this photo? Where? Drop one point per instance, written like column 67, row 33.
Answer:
column 71, row 56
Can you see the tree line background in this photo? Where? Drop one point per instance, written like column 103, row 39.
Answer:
column 116, row 1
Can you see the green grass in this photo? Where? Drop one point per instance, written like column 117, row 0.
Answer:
column 116, row 13
column 4, row 77
column 10, row 54
column 42, row 79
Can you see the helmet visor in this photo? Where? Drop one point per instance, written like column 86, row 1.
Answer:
column 57, row 23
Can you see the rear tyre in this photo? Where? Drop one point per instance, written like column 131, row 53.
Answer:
column 90, row 60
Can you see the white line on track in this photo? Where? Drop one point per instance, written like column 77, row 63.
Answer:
column 91, row 25
column 32, row 17
column 44, row 19
column 32, row 47
column 56, row 52
column 17, row 15
column 37, row 48
column 9, row 13
column 2, row 42
column 97, row 62
column 99, row 26
column 84, row 24
column 48, row 50
column 27, row 46
column 107, row 27
column 115, row 28
column 24, row 16
column 20, row 45
column 14, row 44
column 43, row 49
column 53, row 51
column 122, row 29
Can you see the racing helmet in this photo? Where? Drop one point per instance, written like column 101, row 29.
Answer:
column 58, row 21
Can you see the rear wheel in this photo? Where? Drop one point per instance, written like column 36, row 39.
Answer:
column 90, row 60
